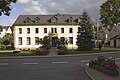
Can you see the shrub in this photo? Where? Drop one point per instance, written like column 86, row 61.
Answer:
column 10, row 48
column 62, row 51
column 16, row 51
column 41, row 51
column 3, row 47
column 105, row 65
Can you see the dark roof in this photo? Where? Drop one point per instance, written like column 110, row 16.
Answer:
column 4, row 27
column 47, row 19
column 115, row 37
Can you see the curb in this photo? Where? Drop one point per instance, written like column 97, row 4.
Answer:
column 55, row 56
column 87, row 73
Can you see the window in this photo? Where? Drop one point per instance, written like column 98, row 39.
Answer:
column 28, row 30
column 53, row 30
column 36, row 30
column 70, row 30
column 62, row 30
column 20, row 30
column 36, row 40
column 28, row 40
column 53, row 20
column 20, row 40
column 45, row 30
column 71, row 40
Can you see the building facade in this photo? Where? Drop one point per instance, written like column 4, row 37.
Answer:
column 103, row 35
column 29, row 28
column 114, row 36
column 4, row 30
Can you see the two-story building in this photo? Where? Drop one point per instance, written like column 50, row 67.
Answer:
column 29, row 28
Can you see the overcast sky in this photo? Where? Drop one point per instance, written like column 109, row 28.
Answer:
column 35, row 7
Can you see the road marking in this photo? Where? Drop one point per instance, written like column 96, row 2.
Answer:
column 60, row 62
column 3, row 63
column 85, row 61
column 34, row 63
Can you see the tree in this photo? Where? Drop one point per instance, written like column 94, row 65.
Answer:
column 9, row 37
column 45, row 41
column 110, row 13
column 62, row 42
column 5, row 6
column 85, row 33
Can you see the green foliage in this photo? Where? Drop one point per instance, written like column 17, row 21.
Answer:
column 85, row 33
column 5, row 6
column 16, row 51
column 110, row 13
column 62, row 42
column 42, row 51
column 62, row 51
column 6, row 42
column 3, row 47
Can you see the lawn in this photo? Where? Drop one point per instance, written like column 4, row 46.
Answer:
column 22, row 53
column 96, row 50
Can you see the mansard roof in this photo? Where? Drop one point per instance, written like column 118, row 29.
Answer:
column 46, row 19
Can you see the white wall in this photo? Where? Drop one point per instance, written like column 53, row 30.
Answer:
column 41, row 34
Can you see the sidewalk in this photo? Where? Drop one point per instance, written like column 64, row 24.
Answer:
column 53, row 51
column 96, row 75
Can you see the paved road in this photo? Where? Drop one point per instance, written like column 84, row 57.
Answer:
column 60, row 68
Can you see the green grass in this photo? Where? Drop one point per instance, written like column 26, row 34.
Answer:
column 96, row 50
column 70, row 52
column 22, row 53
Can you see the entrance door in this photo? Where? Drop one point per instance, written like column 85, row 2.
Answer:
column 114, row 43
column 54, row 41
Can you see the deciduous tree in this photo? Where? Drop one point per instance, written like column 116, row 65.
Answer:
column 5, row 6
column 110, row 13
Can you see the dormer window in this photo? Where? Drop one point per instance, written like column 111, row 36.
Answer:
column 70, row 20
column 37, row 19
column 27, row 20
column 53, row 19
column 77, row 20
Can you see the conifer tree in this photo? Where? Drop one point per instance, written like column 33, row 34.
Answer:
column 85, row 33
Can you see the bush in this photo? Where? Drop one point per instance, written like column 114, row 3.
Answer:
column 105, row 71
column 10, row 48
column 16, row 51
column 3, row 47
column 62, row 51
column 105, row 65
column 42, row 52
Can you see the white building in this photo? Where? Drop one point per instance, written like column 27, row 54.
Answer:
column 4, row 30
column 29, row 28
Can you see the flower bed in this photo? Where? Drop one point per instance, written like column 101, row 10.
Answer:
column 105, row 65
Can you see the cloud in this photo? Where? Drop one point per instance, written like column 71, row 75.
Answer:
column 34, row 8
column 23, row 1
column 74, row 6
column 10, row 22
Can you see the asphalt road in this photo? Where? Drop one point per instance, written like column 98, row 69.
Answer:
column 54, row 68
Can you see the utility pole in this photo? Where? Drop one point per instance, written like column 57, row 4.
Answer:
column 97, row 25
